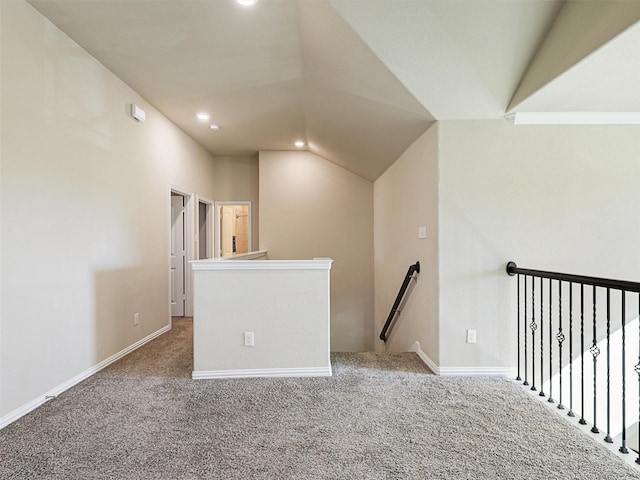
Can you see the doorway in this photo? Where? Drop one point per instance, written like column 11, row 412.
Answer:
column 182, row 250
column 178, row 255
column 205, row 229
column 233, row 220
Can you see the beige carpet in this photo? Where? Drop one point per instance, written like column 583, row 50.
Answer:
column 378, row 417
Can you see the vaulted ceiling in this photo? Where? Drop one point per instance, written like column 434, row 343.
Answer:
column 358, row 81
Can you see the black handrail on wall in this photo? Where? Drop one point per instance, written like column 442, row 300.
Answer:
column 415, row 268
column 539, row 302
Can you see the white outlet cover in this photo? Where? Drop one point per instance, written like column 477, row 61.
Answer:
column 471, row 336
column 422, row 232
column 248, row 339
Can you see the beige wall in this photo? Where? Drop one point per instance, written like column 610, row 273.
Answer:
column 85, row 209
column 310, row 207
column 405, row 198
column 236, row 179
column 547, row 197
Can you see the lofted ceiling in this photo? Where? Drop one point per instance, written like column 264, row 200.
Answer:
column 358, row 81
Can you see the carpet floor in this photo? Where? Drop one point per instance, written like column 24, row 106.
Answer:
column 378, row 417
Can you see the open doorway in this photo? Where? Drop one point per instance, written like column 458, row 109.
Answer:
column 178, row 255
column 181, row 251
column 233, row 220
column 205, row 229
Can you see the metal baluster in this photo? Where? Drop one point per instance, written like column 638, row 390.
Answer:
column 595, row 351
column 607, row 437
column 533, row 327
column 524, row 323
column 550, row 400
column 623, row 447
column 570, row 412
column 560, row 338
column 637, row 369
column 582, row 421
column 518, row 322
column 541, row 337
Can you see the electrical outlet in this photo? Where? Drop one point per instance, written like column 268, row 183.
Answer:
column 136, row 318
column 471, row 336
column 248, row 339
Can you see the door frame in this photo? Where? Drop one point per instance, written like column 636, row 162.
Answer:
column 216, row 223
column 209, row 225
column 189, row 216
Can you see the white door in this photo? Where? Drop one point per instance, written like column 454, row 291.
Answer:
column 178, row 256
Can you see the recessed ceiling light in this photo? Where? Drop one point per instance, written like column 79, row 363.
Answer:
column 247, row 3
column 214, row 127
column 203, row 116
column 299, row 144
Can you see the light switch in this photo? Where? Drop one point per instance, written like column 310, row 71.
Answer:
column 422, row 232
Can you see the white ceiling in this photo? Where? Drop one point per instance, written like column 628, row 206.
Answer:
column 358, row 80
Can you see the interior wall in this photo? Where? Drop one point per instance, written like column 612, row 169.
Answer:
column 560, row 198
column 406, row 198
column 310, row 207
column 85, row 209
column 236, row 179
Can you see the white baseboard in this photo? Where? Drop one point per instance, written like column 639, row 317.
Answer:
column 433, row 366
column 54, row 392
column 263, row 372
column 460, row 371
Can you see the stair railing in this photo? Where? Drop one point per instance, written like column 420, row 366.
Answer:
column 571, row 315
column 415, row 268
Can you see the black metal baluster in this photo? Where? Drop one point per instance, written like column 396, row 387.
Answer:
column 570, row 412
column 560, row 338
column 595, row 351
column 550, row 400
column 542, row 337
column 582, row 421
column 524, row 323
column 533, row 327
column 637, row 369
column 623, row 447
column 518, row 321
column 607, row 437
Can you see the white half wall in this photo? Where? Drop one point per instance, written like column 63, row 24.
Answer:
column 85, row 209
column 310, row 207
column 282, row 305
